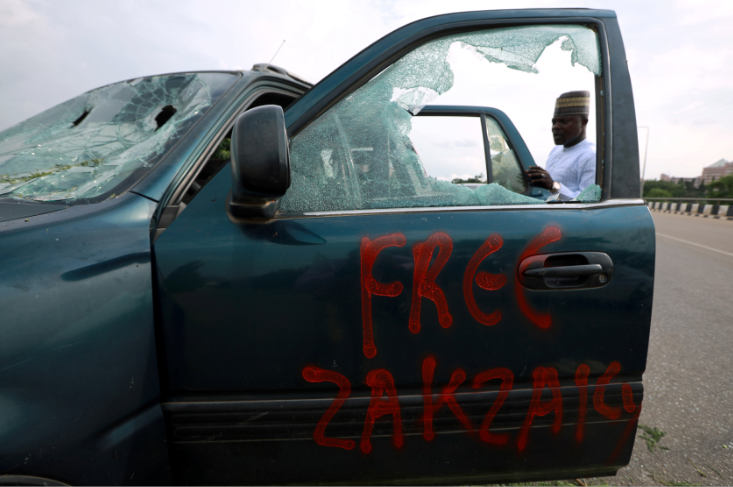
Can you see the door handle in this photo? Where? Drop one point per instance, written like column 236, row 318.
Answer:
column 571, row 270
column 567, row 271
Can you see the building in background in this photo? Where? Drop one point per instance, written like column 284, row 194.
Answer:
column 711, row 173
column 675, row 180
column 717, row 170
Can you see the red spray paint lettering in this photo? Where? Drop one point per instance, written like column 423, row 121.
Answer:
column 381, row 381
column 628, row 396
column 630, row 426
column 490, row 282
column 549, row 235
column 423, row 284
column 507, row 380
column 581, row 380
column 369, row 251
column 598, row 402
column 384, row 399
column 542, row 376
column 314, row 374
column 458, row 377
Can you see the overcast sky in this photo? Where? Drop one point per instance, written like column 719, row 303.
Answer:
column 680, row 53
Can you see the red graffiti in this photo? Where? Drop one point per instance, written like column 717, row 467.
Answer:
column 423, row 285
column 549, row 235
column 314, row 374
column 381, row 381
column 542, row 376
column 630, row 426
column 447, row 397
column 385, row 401
column 581, row 380
column 628, row 396
column 369, row 285
column 489, row 282
column 600, row 405
column 507, row 380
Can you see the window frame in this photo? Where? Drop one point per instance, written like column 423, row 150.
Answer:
column 514, row 138
column 383, row 53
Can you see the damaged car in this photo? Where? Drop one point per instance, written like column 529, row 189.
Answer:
column 243, row 278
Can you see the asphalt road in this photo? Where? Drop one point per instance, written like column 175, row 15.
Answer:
column 689, row 377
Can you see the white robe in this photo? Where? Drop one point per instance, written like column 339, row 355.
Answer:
column 573, row 167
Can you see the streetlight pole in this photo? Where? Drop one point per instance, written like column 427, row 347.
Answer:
column 643, row 168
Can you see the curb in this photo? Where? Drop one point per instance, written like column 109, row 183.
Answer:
column 716, row 212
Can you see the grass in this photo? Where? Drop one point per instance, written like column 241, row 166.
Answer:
column 652, row 437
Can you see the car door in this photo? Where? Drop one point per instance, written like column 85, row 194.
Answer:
column 387, row 325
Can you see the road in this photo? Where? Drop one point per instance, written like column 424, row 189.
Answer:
column 689, row 377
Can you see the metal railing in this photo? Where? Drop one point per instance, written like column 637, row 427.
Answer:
column 702, row 206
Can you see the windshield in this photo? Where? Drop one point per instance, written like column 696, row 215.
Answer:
column 87, row 146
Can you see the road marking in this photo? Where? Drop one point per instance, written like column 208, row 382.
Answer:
column 695, row 244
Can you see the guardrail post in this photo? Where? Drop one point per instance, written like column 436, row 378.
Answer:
column 694, row 206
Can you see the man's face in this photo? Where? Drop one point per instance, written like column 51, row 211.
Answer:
column 568, row 128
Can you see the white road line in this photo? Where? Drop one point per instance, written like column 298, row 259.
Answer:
column 696, row 245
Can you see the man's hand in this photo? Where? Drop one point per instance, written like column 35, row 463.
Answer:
column 540, row 177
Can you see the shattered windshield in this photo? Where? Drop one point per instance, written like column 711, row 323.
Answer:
column 360, row 154
column 85, row 147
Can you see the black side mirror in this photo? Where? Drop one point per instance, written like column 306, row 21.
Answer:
column 260, row 163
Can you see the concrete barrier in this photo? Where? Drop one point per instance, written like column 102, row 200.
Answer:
column 697, row 209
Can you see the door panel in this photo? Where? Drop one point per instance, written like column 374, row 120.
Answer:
column 245, row 309
column 362, row 337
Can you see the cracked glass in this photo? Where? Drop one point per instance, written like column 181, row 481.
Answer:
column 85, row 147
column 359, row 154
column 505, row 167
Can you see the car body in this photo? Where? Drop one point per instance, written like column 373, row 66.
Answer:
column 160, row 328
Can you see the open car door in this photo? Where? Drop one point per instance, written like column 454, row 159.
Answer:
column 389, row 325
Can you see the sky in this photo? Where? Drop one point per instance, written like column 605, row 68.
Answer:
column 679, row 52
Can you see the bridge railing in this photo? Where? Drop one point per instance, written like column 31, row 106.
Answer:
column 706, row 207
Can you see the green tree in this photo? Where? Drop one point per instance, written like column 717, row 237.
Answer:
column 670, row 189
column 657, row 193
column 479, row 178
column 682, row 189
column 722, row 188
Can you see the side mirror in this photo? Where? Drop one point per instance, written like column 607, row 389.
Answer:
column 260, row 163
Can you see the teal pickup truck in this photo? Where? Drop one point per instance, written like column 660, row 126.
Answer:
column 242, row 278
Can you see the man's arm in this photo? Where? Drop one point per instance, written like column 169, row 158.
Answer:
column 539, row 177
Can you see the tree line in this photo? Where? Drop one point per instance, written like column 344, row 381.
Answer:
column 720, row 188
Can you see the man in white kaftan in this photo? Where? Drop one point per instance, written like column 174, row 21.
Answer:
column 571, row 166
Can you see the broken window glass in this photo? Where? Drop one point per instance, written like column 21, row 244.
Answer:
column 359, row 154
column 505, row 167
column 88, row 145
